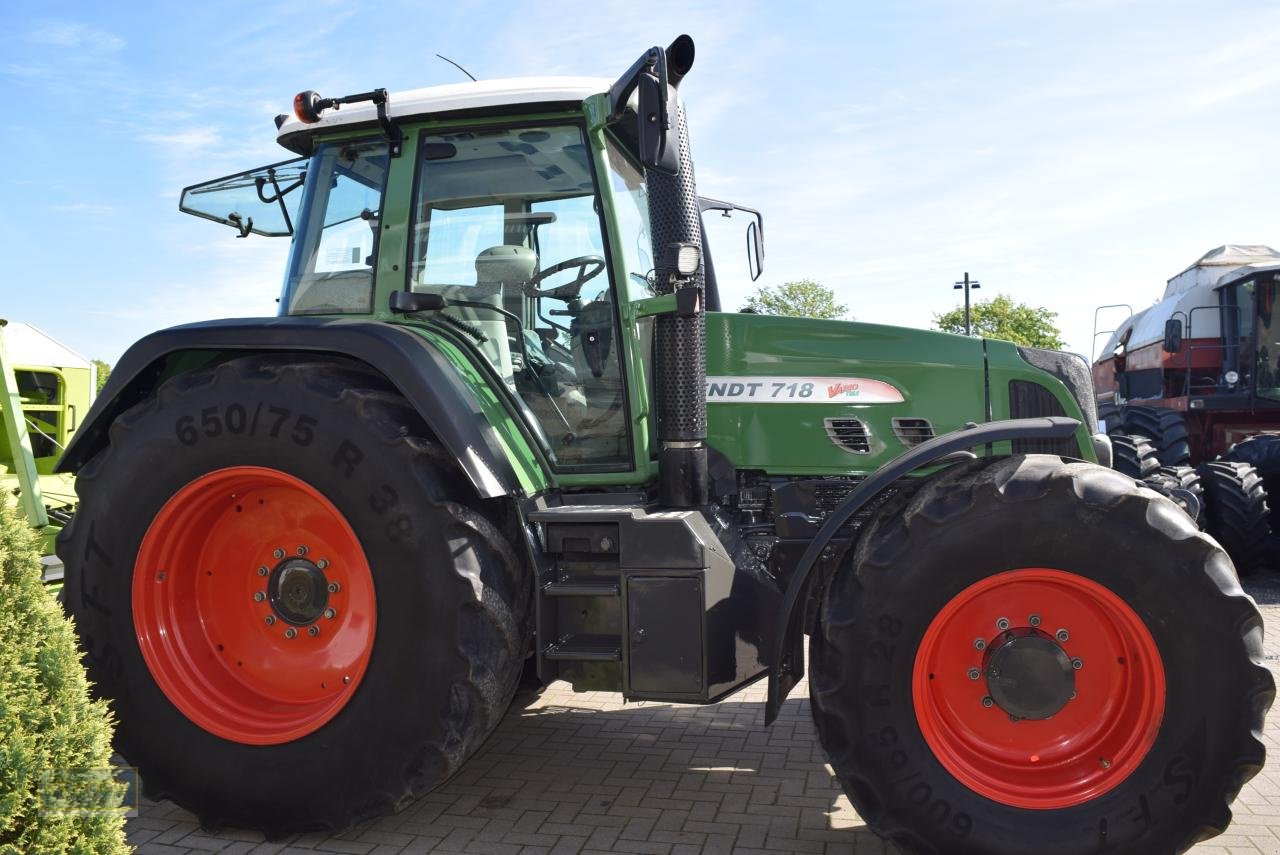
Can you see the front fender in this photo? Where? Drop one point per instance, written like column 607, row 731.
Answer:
column 417, row 368
column 786, row 663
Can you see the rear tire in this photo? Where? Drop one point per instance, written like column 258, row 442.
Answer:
column 1133, row 455
column 447, row 611
column 1237, row 513
column 1167, row 430
column 974, row 526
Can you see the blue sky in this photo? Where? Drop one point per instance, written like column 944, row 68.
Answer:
column 1068, row 152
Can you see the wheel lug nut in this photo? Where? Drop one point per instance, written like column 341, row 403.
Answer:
column 330, row 614
column 258, row 596
column 269, row 619
column 262, row 571
column 1105, row 763
column 313, row 630
column 987, row 701
column 979, row 644
column 1034, row 620
column 974, row 673
column 1002, row 624
column 302, row 550
column 278, row 553
column 290, row 632
column 1077, row 663
column 322, row 563
column 346, row 679
column 1063, row 635
column 334, row 587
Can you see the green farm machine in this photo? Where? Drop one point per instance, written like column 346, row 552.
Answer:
column 501, row 429
column 45, row 390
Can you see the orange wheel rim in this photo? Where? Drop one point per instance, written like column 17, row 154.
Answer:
column 254, row 605
column 1039, row 688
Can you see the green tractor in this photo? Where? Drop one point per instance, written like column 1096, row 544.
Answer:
column 45, row 390
column 502, row 429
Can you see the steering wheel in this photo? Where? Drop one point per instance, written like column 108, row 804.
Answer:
column 589, row 267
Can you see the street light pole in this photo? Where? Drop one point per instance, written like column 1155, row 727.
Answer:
column 967, row 284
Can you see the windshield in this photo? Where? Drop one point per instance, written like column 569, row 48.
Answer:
column 507, row 227
column 262, row 201
column 1268, row 338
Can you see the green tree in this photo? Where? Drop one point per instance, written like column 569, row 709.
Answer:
column 803, row 298
column 1002, row 318
column 57, row 793
column 104, row 371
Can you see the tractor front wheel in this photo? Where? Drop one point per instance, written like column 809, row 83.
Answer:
column 298, row 614
column 1012, row 661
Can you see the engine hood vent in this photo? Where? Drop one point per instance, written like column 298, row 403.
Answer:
column 850, row 434
column 913, row 431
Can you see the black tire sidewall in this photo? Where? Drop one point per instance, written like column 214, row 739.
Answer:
column 415, row 661
column 1159, row 580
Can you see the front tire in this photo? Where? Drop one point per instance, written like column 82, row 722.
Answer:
column 899, row 686
column 377, row 651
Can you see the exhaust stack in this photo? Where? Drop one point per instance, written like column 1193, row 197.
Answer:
column 680, row 368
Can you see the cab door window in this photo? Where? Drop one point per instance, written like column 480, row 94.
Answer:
column 507, row 227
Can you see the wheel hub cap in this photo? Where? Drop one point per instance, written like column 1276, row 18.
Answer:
column 1029, row 675
column 298, row 591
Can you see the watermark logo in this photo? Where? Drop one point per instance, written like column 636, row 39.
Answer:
column 83, row 792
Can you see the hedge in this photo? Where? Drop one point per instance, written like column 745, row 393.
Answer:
column 57, row 793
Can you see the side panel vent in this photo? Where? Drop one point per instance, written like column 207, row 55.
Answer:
column 1028, row 400
column 849, row 434
column 913, row 431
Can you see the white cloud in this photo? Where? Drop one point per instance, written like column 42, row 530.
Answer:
column 188, row 138
column 66, row 34
column 86, row 208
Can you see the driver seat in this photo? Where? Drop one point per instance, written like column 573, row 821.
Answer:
column 496, row 267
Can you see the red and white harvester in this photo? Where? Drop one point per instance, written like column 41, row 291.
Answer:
column 1189, row 389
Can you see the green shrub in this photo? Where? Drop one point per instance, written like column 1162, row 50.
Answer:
column 56, row 791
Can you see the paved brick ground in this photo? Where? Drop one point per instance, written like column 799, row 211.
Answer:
column 582, row 773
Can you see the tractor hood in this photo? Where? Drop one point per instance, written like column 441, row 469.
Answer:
column 804, row 396
column 801, row 396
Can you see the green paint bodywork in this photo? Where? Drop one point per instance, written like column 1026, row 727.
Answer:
column 940, row 376
column 947, row 379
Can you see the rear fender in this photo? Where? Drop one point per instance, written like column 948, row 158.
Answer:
column 417, row 368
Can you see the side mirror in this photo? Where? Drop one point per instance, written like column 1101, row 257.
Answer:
column 656, row 125
column 1173, row 335
column 755, row 247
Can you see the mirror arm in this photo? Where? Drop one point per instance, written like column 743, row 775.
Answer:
column 654, row 61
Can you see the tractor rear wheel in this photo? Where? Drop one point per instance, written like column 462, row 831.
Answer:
column 299, row 616
column 1167, row 430
column 1134, row 455
column 1236, row 512
column 1012, row 661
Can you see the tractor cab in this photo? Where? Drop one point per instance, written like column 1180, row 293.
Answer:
column 531, row 233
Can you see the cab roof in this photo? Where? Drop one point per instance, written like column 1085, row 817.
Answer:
column 485, row 96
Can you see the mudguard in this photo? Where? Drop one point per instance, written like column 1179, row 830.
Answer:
column 416, row 367
column 786, row 662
